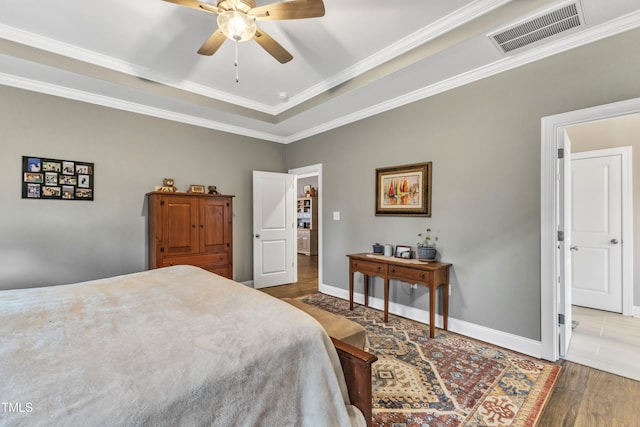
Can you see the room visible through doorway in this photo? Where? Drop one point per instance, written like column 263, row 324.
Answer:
column 309, row 224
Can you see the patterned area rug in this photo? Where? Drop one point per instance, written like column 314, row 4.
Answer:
column 447, row 381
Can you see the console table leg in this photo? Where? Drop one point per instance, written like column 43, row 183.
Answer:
column 386, row 300
column 350, row 289
column 432, row 310
column 445, row 306
column 365, row 281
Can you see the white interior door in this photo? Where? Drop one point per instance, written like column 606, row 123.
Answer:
column 597, row 230
column 564, row 243
column 274, row 231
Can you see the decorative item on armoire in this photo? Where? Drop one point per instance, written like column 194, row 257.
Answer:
column 168, row 186
column 199, row 189
column 45, row 178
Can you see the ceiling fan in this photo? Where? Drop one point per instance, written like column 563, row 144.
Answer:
column 237, row 21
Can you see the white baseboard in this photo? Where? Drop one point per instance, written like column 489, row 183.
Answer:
column 471, row 330
column 636, row 311
column 248, row 283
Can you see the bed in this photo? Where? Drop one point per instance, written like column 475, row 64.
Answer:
column 173, row 346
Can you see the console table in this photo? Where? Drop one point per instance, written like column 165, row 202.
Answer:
column 430, row 274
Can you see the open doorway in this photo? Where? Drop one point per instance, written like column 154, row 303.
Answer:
column 554, row 129
column 308, row 232
column 602, row 336
column 309, row 216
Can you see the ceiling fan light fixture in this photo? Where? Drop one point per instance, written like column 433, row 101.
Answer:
column 237, row 26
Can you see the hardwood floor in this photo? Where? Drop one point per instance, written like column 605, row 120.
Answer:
column 582, row 397
column 587, row 397
column 307, row 280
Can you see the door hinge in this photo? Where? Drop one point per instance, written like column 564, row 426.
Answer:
column 561, row 153
column 560, row 319
column 560, row 236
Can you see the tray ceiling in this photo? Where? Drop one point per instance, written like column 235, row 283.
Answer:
column 361, row 58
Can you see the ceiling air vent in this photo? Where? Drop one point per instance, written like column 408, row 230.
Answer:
column 539, row 27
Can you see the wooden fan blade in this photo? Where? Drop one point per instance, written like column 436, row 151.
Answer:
column 193, row 4
column 272, row 47
column 212, row 44
column 297, row 9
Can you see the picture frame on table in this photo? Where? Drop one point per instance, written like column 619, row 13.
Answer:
column 402, row 252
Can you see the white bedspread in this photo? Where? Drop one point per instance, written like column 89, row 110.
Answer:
column 174, row 346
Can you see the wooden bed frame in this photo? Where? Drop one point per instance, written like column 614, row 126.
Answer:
column 356, row 365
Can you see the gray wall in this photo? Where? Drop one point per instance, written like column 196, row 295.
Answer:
column 47, row 242
column 484, row 142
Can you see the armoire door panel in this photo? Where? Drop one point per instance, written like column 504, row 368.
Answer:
column 213, row 225
column 180, row 230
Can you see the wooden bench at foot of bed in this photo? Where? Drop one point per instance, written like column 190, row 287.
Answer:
column 336, row 326
column 356, row 365
column 348, row 338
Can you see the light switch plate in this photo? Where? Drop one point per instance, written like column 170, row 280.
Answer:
column 336, row 216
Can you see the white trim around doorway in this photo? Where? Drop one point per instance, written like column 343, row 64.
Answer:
column 304, row 172
column 552, row 127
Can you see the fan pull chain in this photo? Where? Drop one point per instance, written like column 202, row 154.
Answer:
column 235, row 63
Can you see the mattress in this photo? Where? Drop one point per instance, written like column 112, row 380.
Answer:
column 172, row 346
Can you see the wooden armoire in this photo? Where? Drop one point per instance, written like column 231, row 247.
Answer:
column 193, row 229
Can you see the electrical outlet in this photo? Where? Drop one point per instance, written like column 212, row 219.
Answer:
column 414, row 286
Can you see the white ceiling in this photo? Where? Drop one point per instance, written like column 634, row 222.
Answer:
column 363, row 57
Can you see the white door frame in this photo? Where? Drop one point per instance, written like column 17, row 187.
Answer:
column 304, row 172
column 552, row 128
column 564, row 259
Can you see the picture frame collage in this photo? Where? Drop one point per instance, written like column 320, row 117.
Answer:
column 44, row 178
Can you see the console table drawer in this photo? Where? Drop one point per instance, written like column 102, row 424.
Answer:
column 409, row 275
column 372, row 268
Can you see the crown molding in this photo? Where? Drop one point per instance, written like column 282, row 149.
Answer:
column 588, row 35
column 119, row 104
column 424, row 35
column 64, row 49
column 438, row 28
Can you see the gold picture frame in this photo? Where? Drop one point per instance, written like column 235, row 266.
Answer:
column 199, row 189
column 404, row 190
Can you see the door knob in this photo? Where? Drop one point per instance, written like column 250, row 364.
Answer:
column 573, row 248
column 257, row 236
column 614, row 241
